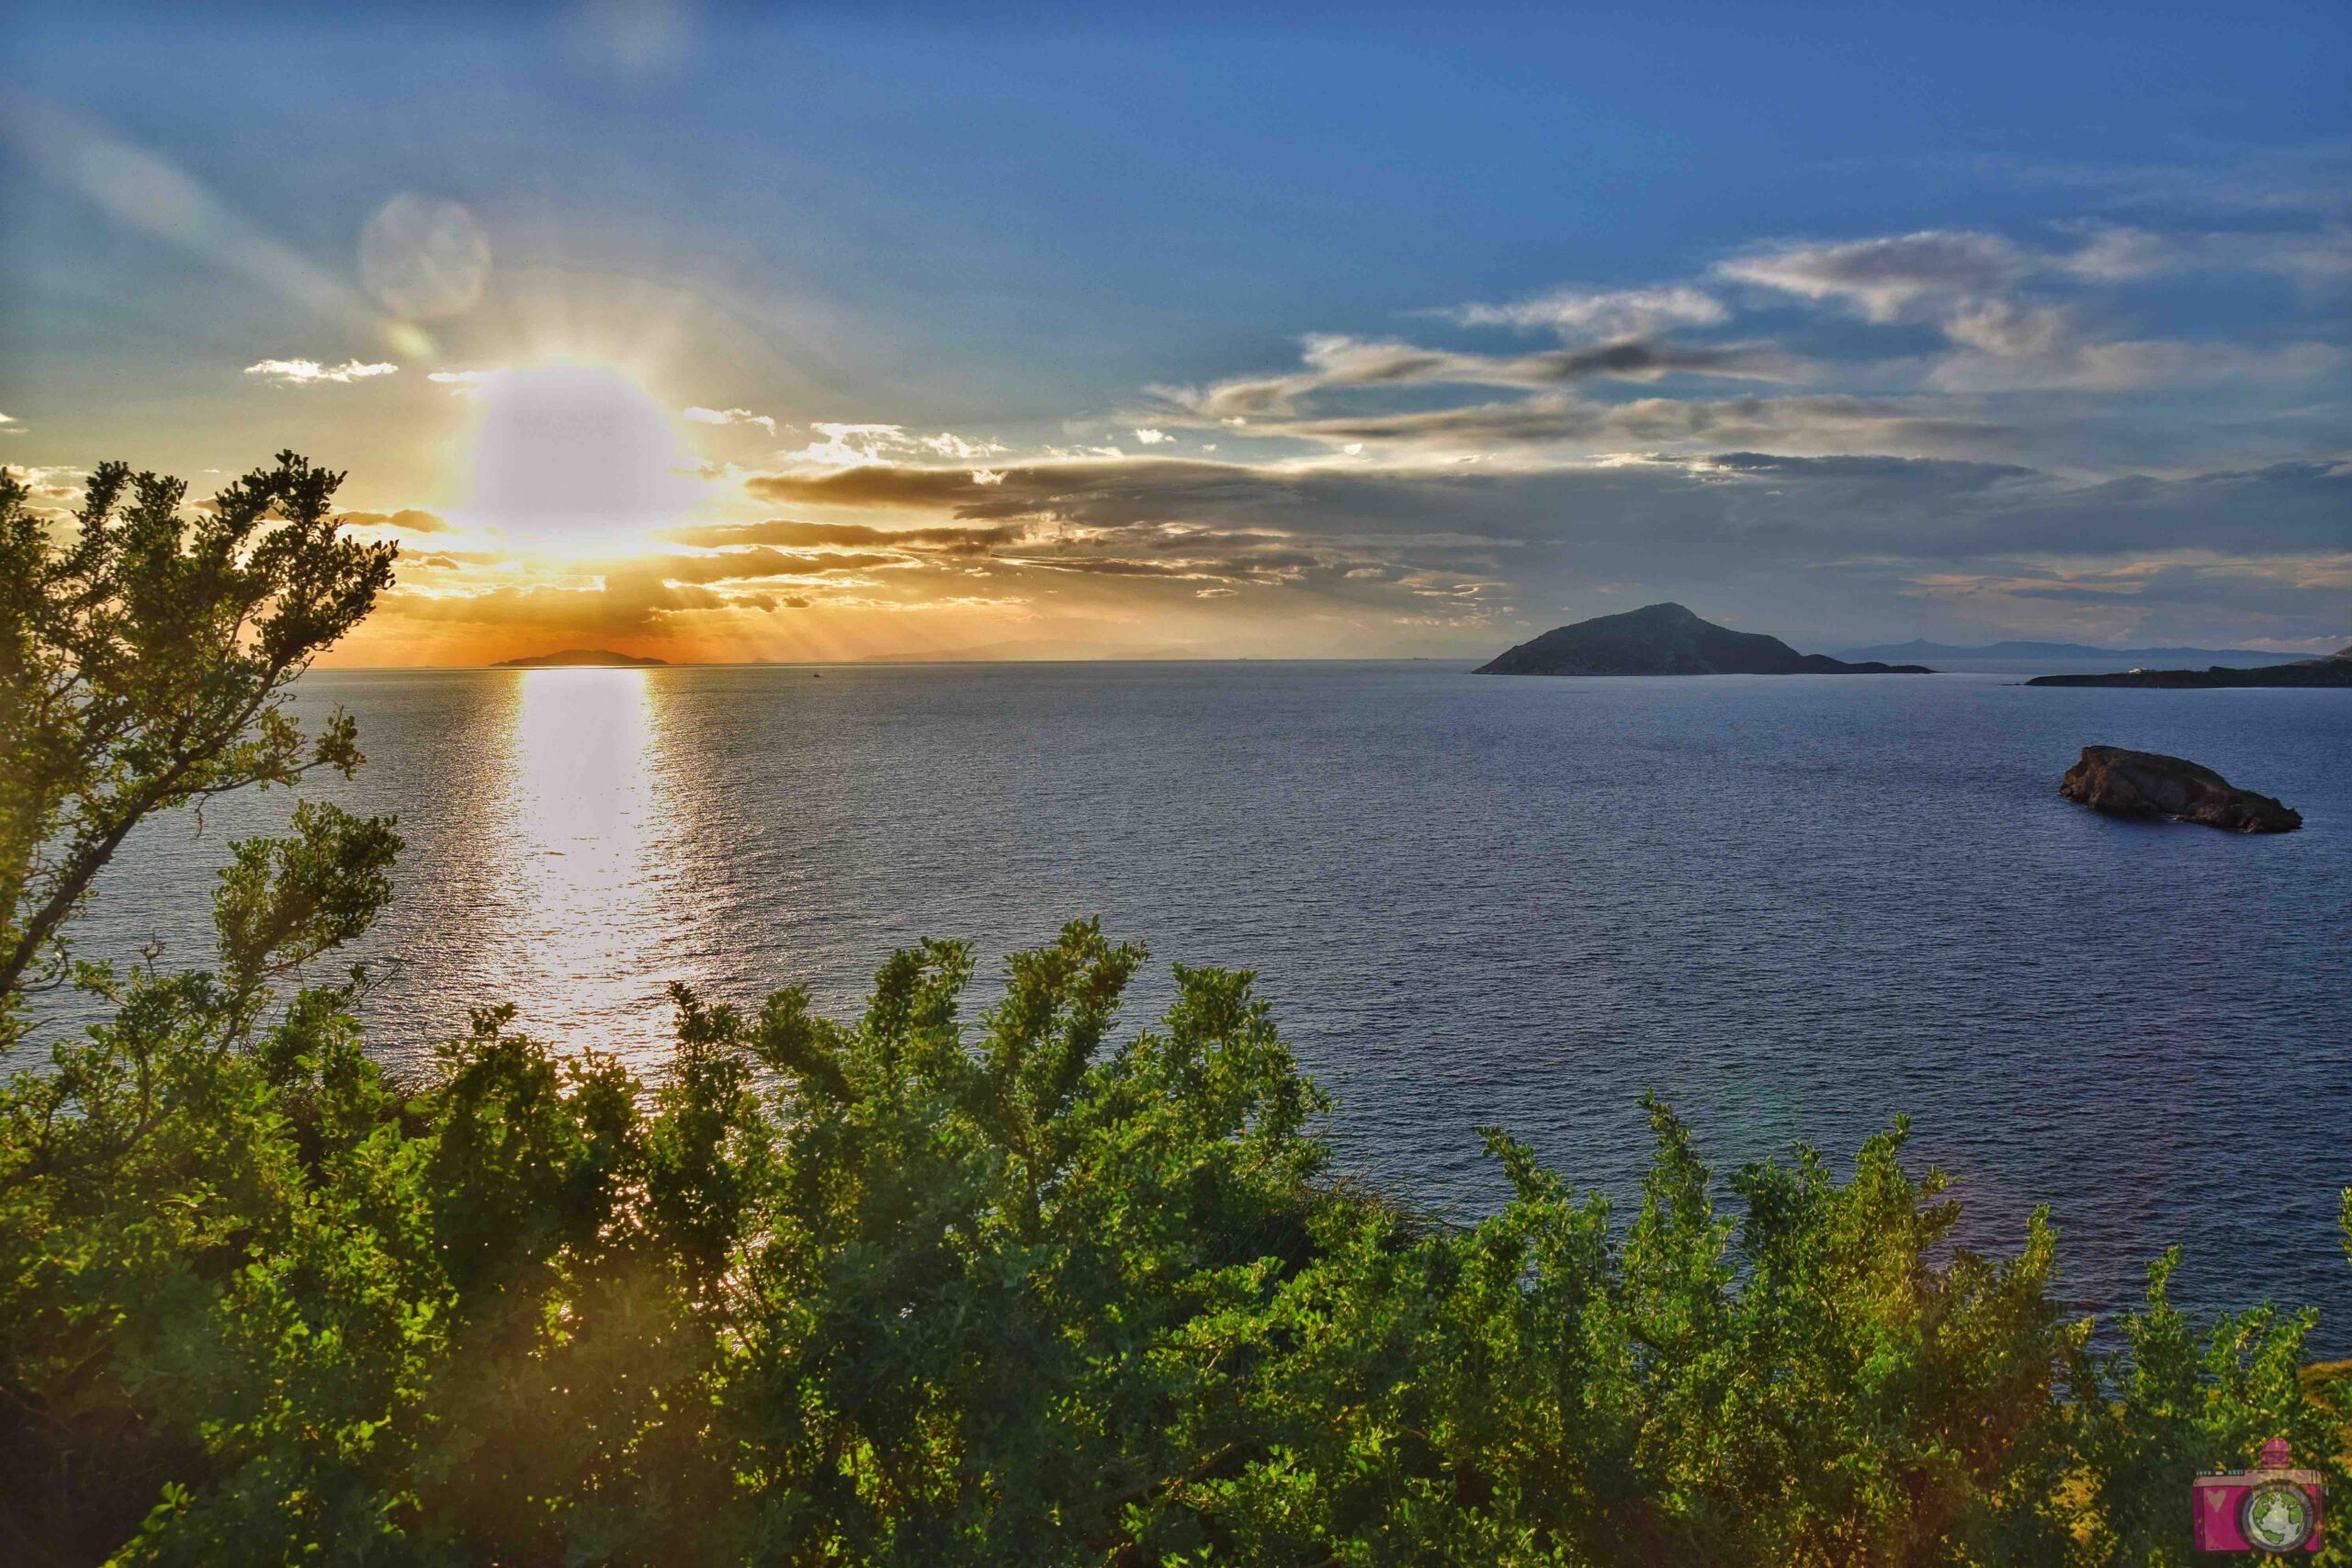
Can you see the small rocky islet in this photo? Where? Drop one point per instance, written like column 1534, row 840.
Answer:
column 2124, row 782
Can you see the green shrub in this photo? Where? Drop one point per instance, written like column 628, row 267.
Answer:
column 915, row 1290
column 904, row 1290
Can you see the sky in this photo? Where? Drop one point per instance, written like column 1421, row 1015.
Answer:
column 812, row 333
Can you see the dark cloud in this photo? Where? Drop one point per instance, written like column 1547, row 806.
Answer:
column 1926, row 506
column 747, row 565
column 1852, row 541
column 1865, row 467
column 1823, row 423
column 1276, row 565
column 1338, row 364
column 1159, row 489
column 636, row 595
column 1542, row 422
column 1116, row 567
column 622, row 606
column 788, row 532
column 1637, row 360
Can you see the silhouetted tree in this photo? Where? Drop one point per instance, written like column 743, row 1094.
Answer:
column 144, row 662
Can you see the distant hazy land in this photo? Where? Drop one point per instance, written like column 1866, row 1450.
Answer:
column 2072, row 652
column 2336, row 669
column 570, row 658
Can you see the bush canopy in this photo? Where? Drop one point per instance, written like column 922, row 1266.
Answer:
column 914, row 1288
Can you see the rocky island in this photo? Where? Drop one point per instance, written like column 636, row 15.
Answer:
column 581, row 658
column 1667, row 639
column 2123, row 782
column 2336, row 669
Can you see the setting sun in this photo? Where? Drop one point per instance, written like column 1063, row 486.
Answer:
column 572, row 459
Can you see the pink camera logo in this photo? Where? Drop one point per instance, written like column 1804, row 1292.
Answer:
column 2274, row 1509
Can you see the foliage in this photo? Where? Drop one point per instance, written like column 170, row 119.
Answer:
column 144, row 665
column 914, row 1289
column 899, row 1290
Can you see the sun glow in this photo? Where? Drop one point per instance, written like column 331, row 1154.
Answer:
column 574, row 459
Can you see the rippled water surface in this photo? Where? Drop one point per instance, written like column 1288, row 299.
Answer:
column 1796, row 906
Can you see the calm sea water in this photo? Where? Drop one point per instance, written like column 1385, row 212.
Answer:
column 1795, row 906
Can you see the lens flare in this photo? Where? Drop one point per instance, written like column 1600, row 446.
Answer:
column 425, row 259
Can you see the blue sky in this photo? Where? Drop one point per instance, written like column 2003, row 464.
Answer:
column 1265, row 331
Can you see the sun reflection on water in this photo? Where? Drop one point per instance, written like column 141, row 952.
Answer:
column 591, row 841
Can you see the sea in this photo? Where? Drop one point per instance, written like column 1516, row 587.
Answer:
column 1796, row 907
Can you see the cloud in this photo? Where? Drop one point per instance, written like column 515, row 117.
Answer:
column 2018, row 319
column 1552, row 426
column 1883, row 279
column 2297, row 180
column 2116, row 255
column 633, row 597
column 1477, row 556
column 629, row 605
column 1969, row 285
column 2009, row 331
column 2008, row 346
column 2037, row 360
column 2292, row 604
column 845, row 446
column 11, row 425
column 1337, row 362
column 1810, row 508
column 306, row 372
column 785, row 531
column 749, row 564
column 408, row 520
column 2318, row 259
column 1962, row 460
column 2321, row 261
column 731, row 417
column 1577, row 313
column 49, row 479
column 947, row 444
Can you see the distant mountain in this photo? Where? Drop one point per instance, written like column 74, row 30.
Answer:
column 1667, row 639
column 2336, row 669
column 1919, row 648
column 590, row 657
